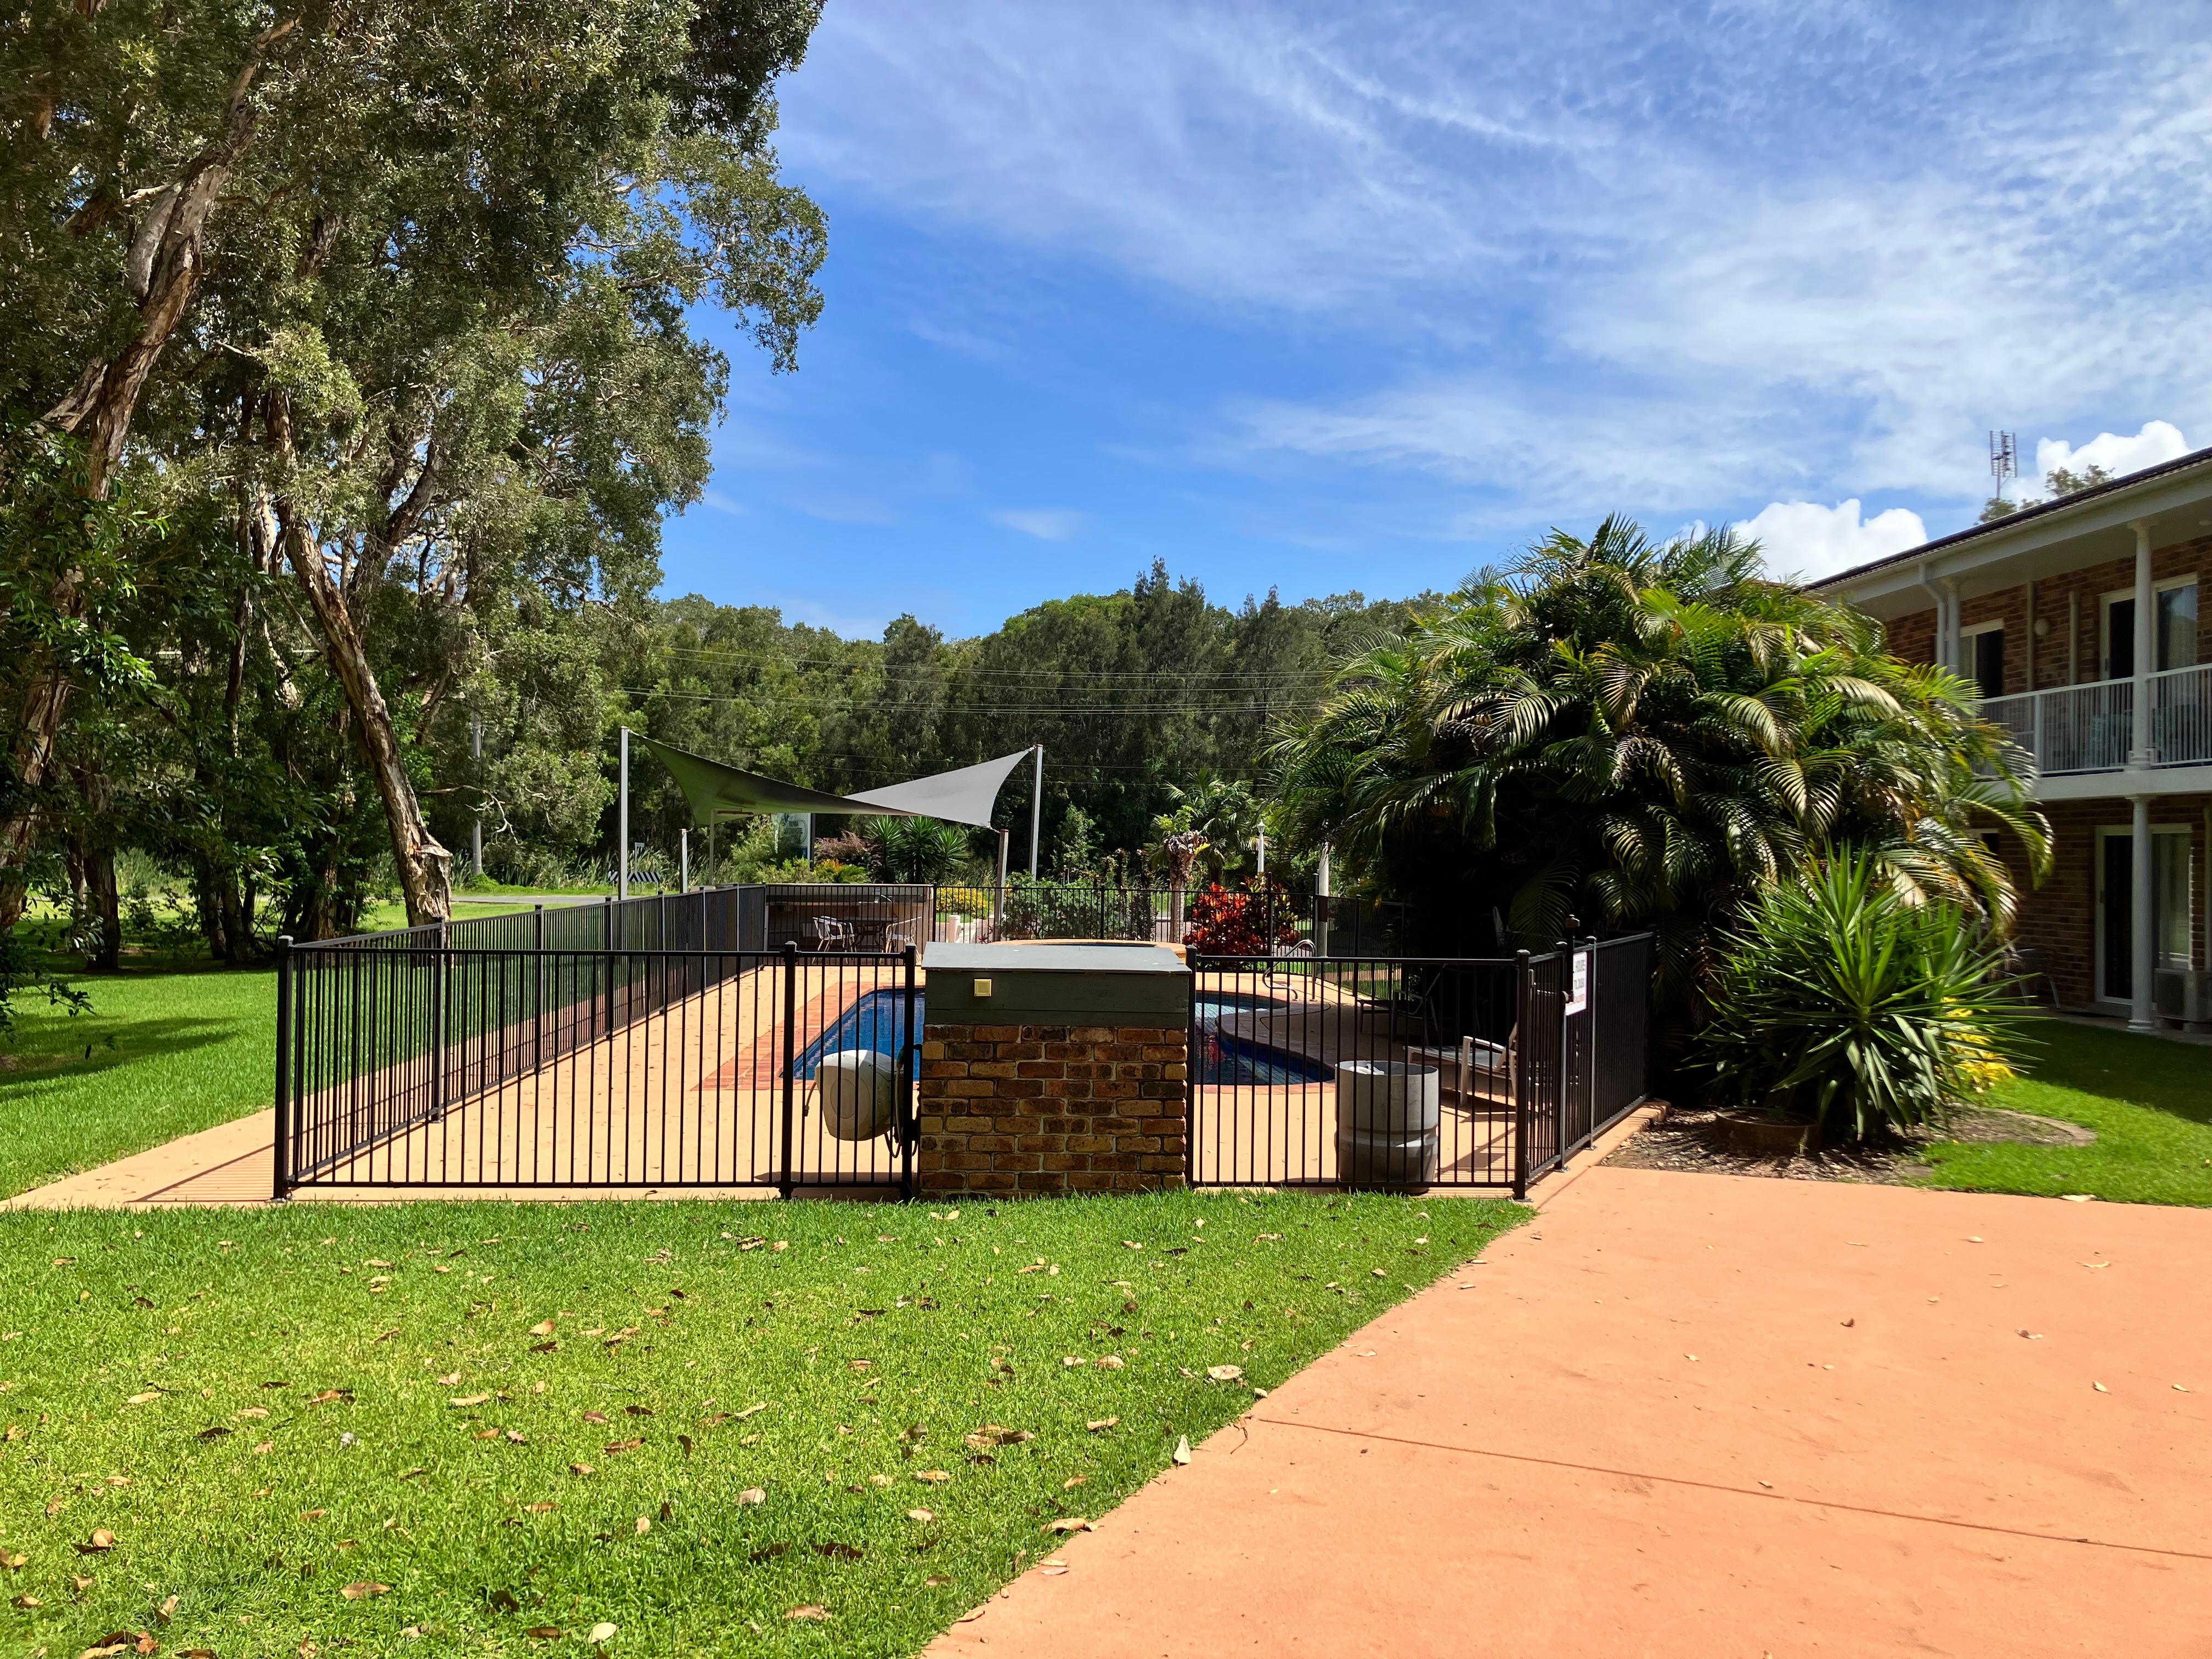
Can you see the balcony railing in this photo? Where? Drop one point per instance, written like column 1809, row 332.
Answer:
column 2091, row 728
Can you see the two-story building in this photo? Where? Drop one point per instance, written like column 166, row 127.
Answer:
column 2083, row 621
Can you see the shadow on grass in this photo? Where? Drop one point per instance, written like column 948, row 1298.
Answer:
column 2174, row 1078
column 63, row 1053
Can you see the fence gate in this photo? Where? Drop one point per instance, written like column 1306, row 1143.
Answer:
column 1412, row 1072
column 405, row 1063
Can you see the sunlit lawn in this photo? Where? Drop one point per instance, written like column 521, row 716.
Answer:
column 740, row 1428
column 2149, row 1100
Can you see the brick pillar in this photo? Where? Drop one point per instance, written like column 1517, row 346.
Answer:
column 1013, row 1110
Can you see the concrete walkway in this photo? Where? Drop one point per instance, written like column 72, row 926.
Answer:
column 1705, row 1415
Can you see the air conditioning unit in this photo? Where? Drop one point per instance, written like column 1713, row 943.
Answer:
column 2183, row 996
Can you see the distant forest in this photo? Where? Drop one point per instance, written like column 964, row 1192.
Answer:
column 1136, row 695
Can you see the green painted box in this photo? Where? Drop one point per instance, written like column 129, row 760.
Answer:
column 1102, row 984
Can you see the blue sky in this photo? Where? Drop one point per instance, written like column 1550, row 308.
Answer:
column 1320, row 298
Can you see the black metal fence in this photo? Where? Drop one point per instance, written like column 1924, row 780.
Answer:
column 607, row 1046
column 1405, row 1073
column 758, row 1036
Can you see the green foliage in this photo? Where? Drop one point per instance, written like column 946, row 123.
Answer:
column 1645, row 736
column 1847, row 1000
column 1222, row 923
column 915, row 850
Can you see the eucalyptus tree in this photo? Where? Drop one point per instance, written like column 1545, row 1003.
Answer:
column 408, row 282
column 1642, row 735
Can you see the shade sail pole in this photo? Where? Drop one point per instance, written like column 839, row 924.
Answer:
column 621, row 823
column 1036, row 809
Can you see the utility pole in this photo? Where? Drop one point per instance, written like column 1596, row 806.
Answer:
column 1036, row 810
column 621, row 823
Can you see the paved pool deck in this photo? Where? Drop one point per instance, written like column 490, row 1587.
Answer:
column 1703, row 1415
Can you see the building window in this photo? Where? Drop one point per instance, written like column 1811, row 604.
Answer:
column 2177, row 625
column 2173, row 628
column 1982, row 648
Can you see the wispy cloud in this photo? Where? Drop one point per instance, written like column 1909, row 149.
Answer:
column 1600, row 260
column 834, row 506
column 1047, row 524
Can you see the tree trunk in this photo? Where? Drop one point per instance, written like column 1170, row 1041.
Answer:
column 424, row 866
column 106, row 905
column 162, row 271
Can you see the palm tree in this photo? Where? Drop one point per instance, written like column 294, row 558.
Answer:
column 1642, row 735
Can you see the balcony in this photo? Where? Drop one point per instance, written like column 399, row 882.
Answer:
column 2091, row 728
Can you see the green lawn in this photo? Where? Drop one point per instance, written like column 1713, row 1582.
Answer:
column 161, row 1056
column 735, row 1428
column 2149, row 1101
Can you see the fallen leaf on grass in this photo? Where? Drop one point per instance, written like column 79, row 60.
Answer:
column 331, row 1396
column 816, row 1614
column 1067, row 1523
column 26, row 1602
column 1112, row 1362
column 543, row 1509
column 543, row 1632
column 991, row 1435
column 543, row 1327
column 103, row 1540
column 1182, row 1448
column 921, row 1515
column 1074, row 1481
column 263, row 1448
column 1100, row 1424
column 638, row 1411
column 362, row 1589
column 579, row 1468
column 468, row 1400
column 617, row 1447
column 934, row 1477
column 837, row 1551
column 601, row 1632
column 216, row 1432
column 545, row 1347
column 145, row 1399
column 1224, row 1373
column 408, row 1474
column 15, row 1561
column 752, row 1495
column 255, row 1411
column 166, row 1611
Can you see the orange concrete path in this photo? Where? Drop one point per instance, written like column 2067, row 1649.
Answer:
column 1705, row 1415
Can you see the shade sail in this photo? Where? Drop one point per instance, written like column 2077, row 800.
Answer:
column 964, row 796
column 961, row 797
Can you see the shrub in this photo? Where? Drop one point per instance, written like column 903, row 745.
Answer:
column 1226, row 924
column 1842, row 1001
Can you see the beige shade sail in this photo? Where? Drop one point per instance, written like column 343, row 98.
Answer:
column 964, row 796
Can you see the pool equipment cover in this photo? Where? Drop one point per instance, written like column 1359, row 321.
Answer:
column 964, row 796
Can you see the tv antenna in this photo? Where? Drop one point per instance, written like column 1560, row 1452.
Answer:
column 2004, row 460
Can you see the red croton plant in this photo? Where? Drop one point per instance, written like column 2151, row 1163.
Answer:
column 1235, row 924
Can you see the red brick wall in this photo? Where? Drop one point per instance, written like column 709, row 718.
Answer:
column 2059, row 918
column 1912, row 636
column 1022, row 1110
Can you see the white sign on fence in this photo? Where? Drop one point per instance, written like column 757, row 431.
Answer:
column 1578, row 991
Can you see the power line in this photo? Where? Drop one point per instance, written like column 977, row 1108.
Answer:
column 821, row 703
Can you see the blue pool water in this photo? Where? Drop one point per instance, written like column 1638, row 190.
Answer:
column 1233, row 1060
column 877, row 1021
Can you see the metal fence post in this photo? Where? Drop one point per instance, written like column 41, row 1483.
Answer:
column 610, row 965
column 438, row 992
column 538, row 990
column 910, row 1131
column 281, row 1185
column 1523, row 1028
column 790, row 1057
column 1190, row 1070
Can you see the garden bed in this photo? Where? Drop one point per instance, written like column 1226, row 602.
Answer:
column 1701, row 1141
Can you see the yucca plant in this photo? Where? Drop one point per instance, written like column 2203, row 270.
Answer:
column 1846, row 998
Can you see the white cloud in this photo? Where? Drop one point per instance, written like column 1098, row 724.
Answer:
column 1807, row 541
column 1591, row 263
column 2158, row 440
column 721, row 503
column 1047, row 524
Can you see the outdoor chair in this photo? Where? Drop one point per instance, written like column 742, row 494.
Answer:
column 831, row 934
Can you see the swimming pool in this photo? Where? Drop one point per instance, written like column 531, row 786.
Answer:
column 877, row 1021
column 1236, row 1060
